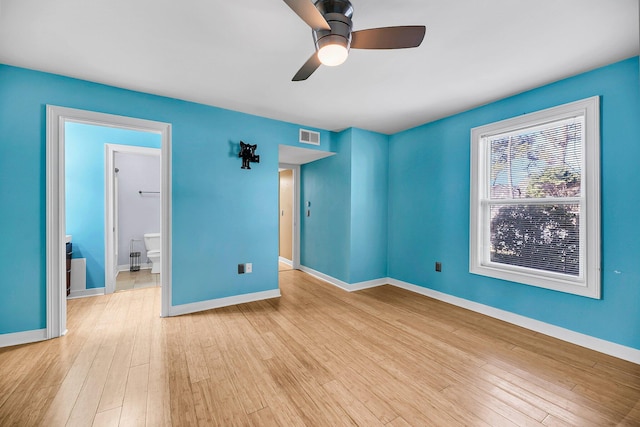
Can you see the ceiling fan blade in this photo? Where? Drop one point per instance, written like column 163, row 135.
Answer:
column 309, row 14
column 307, row 69
column 388, row 37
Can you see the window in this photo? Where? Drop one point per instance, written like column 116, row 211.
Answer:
column 535, row 199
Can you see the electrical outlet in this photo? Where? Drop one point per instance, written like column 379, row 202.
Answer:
column 240, row 268
column 248, row 267
column 438, row 266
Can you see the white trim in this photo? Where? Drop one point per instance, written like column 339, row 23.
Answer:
column 134, row 149
column 56, row 301
column 84, row 293
column 195, row 307
column 56, row 297
column 111, row 267
column 344, row 285
column 126, row 267
column 285, row 261
column 588, row 283
column 607, row 347
column 166, row 225
column 295, row 249
column 17, row 338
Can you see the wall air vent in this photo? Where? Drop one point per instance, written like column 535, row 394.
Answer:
column 309, row 137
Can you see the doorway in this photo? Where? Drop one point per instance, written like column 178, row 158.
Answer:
column 289, row 223
column 291, row 158
column 57, row 117
column 286, row 220
column 132, row 209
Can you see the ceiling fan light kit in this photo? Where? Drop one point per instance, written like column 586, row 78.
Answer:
column 332, row 50
column 331, row 25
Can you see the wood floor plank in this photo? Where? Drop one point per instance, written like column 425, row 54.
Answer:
column 589, row 408
column 115, row 384
column 310, row 400
column 53, row 360
column 461, row 398
column 356, row 410
column 62, row 405
column 18, row 365
column 108, row 418
column 416, row 404
column 86, row 405
column 142, row 344
column 193, row 351
column 134, row 405
column 552, row 421
column 315, row 356
column 371, row 396
column 181, row 395
column 263, row 417
column 241, row 376
column 398, row 422
column 548, row 403
column 158, row 398
column 218, row 404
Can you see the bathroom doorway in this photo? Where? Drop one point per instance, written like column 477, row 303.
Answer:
column 57, row 118
column 132, row 210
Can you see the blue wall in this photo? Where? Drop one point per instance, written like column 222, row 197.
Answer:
column 369, row 205
column 429, row 208
column 84, row 188
column 222, row 215
column 346, row 235
column 325, row 235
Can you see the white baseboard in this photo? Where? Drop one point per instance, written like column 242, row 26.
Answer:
column 285, row 261
column 344, row 285
column 178, row 310
column 125, row 267
column 25, row 337
column 84, row 293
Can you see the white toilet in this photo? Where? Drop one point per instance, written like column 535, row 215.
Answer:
column 152, row 243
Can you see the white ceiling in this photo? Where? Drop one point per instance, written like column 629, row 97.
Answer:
column 241, row 55
column 300, row 156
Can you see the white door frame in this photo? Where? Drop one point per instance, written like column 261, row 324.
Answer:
column 55, row 205
column 295, row 249
column 110, row 203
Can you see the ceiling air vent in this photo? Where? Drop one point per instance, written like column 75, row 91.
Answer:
column 309, row 137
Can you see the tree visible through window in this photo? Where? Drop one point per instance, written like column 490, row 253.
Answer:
column 530, row 183
column 539, row 163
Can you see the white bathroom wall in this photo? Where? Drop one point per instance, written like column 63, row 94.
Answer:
column 137, row 213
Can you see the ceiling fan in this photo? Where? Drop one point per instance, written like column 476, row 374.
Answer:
column 331, row 23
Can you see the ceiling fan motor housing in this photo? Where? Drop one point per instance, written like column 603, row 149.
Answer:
column 338, row 15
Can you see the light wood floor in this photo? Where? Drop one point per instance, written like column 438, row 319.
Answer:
column 318, row 356
column 127, row 280
column 284, row 267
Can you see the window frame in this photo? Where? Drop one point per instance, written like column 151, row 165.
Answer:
column 588, row 283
